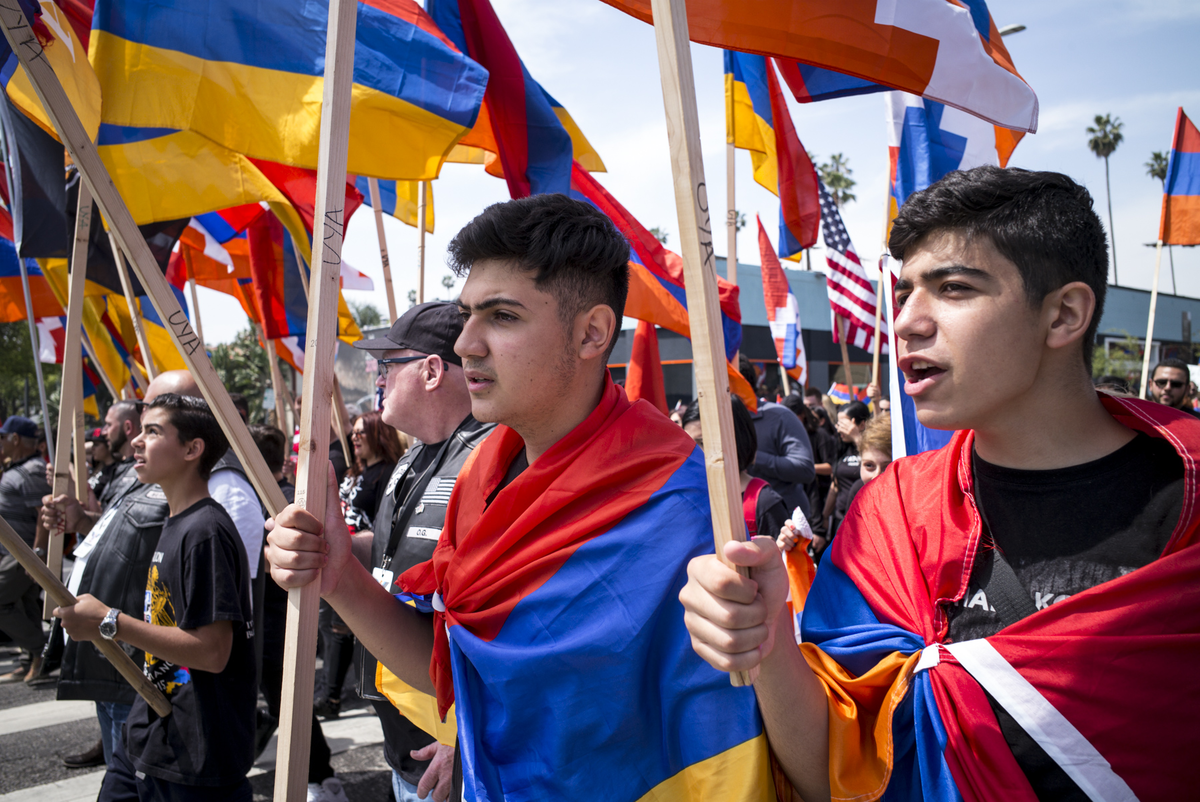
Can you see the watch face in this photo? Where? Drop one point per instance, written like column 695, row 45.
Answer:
column 108, row 627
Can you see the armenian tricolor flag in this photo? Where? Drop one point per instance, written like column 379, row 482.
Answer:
column 558, row 632
column 1180, row 223
column 237, row 74
column 757, row 119
column 400, row 199
column 1103, row 681
column 12, row 294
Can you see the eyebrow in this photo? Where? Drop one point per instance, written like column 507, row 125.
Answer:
column 938, row 273
column 490, row 303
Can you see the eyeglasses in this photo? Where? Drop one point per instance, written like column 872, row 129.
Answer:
column 1162, row 384
column 396, row 360
column 357, row 433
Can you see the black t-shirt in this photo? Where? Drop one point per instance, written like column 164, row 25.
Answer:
column 1064, row 531
column 199, row 575
column 770, row 512
column 846, row 471
column 364, row 495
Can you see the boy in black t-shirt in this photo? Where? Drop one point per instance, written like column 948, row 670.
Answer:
column 196, row 630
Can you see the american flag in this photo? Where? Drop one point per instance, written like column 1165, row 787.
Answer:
column 851, row 295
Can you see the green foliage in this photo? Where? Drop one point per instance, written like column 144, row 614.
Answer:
column 1106, row 135
column 243, row 368
column 836, row 177
column 366, row 315
column 16, row 368
column 661, row 235
column 1122, row 359
column 1157, row 166
column 448, row 282
column 412, row 298
column 741, row 221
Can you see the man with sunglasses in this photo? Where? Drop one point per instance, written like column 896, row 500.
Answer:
column 1170, row 385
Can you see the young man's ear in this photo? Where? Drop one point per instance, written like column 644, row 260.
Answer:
column 195, row 448
column 1070, row 309
column 595, row 330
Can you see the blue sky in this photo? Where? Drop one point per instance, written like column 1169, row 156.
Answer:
column 1123, row 57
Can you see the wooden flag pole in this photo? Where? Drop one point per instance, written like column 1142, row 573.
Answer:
column 700, row 278
column 80, row 465
column 841, row 324
column 731, row 262
column 195, row 303
column 135, row 311
column 878, row 327
column 72, row 380
column 1150, row 322
column 300, row 639
column 34, row 345
column 422, row 200
column 787, row 385
column 83, row 152
column 62, row 597
column 376, row 204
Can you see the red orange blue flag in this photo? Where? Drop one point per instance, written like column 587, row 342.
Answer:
column 945, row 50
column 1180, row 224
column 783, row 311
column 757, row 119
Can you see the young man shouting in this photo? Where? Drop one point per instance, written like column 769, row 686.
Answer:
column 195, row 630
column 1013, row 616
column 555, row 629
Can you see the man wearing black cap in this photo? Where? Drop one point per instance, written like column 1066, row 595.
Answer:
column 424, row 395
column 21, row 489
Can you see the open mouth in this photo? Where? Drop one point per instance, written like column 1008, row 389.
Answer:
column 920, row 375
column 477, row 381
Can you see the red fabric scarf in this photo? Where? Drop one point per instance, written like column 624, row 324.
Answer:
column 489, row 557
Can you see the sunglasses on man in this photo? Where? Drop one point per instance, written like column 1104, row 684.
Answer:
column 1162, row 384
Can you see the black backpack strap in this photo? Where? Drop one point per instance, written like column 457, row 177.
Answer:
column 1005, row 592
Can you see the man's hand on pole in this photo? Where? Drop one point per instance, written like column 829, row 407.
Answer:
column 298, row 545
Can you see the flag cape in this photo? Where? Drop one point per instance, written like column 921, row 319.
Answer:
column 400, row 199
column 12, row 294
column 249, row 78
column 908, row 716
column 941, row 49
column 757, row 119
column 644, row 374
column 783, row 311
column 1180, row 224
column 562, row 593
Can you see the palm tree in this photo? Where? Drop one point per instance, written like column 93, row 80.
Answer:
column 1106, row 135
column 836, row 177
column 1157, row 168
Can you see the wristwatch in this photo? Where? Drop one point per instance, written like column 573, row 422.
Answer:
column 108, row 627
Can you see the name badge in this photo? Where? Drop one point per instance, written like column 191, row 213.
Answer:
column 384, row 577
column 424, row 532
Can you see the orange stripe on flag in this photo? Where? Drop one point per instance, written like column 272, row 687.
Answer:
column 1180, row 220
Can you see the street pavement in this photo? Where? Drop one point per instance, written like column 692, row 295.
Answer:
column 36, row 732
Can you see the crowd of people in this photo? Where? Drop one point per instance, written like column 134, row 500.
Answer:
column 542, row 531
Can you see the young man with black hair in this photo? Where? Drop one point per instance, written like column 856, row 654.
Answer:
column 1170, row 384
column 1012, row 616
column 555, row 633
column 195, row 630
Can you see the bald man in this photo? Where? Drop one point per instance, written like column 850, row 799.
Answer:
column 229, row 485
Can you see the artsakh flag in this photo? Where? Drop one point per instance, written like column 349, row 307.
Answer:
column 1180, row 224
column 757, row 119
column 783, row 311
column 1084, row 676
column 557, row 628
column 945, row 50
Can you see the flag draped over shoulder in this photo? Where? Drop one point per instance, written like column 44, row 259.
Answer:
column 911, row 720
column 783, row 311
column 944, row 50
column 248, row 78
column 1180, row 223
column 529, row 138
column 558, row 634
column 757, row 119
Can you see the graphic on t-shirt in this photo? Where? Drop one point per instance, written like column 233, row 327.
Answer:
column 159, row 610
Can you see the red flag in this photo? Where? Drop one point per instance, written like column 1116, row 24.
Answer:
column 800, row 208
column 644, row 377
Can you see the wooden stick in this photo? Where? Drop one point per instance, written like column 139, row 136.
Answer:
column 421, row 201
column 62, row 597
column 276, row 379
column 81, row 472
column 787, row 385
column 1150, row 322
column 195, row 302
column 83, row 152
column 339, row 420
column 731, row 263
column 72, row 379
column 377, row 205
column 35, row 346
column 300, row 639
column 878, row 320
column 700, row 278
column 841, row 324
column 135, row 311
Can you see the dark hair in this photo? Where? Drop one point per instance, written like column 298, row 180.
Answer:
column 382, row 439
column 856, row 411
column 1171, row 362
column 812, row 392
column 691, row 414
column 1042, row 222
column 128, row 410
column 795, row 402
column 743, row 434
column 573, row 249
column 192, row 418
column 746, row 368
column 272, row 444
column 241, row 405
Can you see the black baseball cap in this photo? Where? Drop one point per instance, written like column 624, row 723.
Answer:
column 17, row 424
column 430, row 328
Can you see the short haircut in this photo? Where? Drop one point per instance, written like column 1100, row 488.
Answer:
column 241, row 405
column 795, row 403
column 856, row 411
column 1042, row 222
column 746, row 368
column 743, row 434
column 192, row 418
column 1171, row 362
column 128, row 410
column 573, row 249
column 877, row 437
column 272, row 444
column 812, row 392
